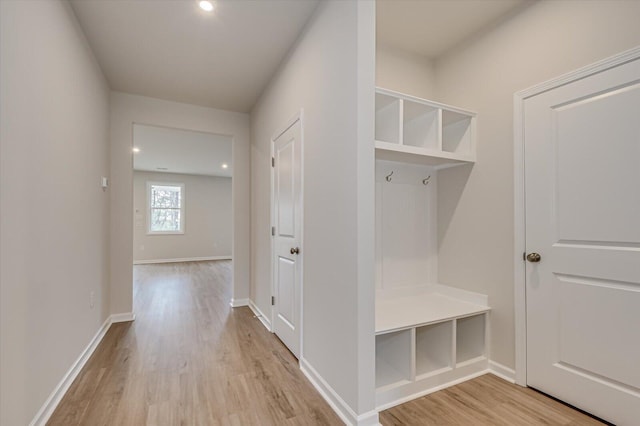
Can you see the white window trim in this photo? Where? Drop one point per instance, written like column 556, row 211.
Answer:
column 183, row 213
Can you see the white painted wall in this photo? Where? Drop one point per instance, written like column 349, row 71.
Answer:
column 54, row 216
column 405, row 72
column 330, row 74
column 208, row 218
column 128, row 109
column 476, row 205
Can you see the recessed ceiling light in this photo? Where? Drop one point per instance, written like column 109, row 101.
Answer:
column 136, row 149
column 225, row 166
column 206, row 5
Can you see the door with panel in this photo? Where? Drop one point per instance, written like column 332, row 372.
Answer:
column 287, row 236
column 582, row 183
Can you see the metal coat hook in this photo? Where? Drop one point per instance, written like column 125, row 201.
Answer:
column 425, row 181
column 388, row 177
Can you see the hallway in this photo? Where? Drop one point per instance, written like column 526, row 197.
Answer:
column 190, row 359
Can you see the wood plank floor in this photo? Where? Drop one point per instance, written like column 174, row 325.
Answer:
column 189, row 359
column 486, row 400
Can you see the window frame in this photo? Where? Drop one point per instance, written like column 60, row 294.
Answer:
column 150, row 185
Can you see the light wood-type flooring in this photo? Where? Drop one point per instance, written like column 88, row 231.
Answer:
column 190, row 359
column 485, row 401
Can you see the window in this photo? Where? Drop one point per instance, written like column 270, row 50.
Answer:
column 166, row 208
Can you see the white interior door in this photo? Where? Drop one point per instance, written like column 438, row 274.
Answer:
column 287, row 198
column 582, row 174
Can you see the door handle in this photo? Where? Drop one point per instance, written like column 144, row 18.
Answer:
column 295, row 250
column 533, row 257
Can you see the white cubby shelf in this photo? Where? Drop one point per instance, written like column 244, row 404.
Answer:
column 415, row 130
column 427, row 338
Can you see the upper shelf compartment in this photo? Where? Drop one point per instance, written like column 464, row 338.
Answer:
column 415, row 130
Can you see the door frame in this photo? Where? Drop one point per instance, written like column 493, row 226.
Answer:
column 520, row 302
column 299, row 116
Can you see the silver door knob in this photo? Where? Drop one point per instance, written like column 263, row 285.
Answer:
column 295, row 250
column 533, row 257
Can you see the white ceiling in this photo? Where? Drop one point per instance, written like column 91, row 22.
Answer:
column 173, row 50
column 431, row 27
column 181, row 151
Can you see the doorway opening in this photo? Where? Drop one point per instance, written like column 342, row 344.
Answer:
column 182, row 197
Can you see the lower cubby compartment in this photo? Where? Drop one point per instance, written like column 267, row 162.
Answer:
column 392, row 396
column 394, row 358
column 470, row 338
column 433, row 348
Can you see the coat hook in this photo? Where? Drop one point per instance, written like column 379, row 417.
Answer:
column 425, row 181
column 388, row 177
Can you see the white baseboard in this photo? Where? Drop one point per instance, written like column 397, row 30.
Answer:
column 369, row 419
column 236, row 303
column 50, row 405
column 346, row 414
column 503, row 372
column 181, row 259
column 260, row 315
column 125, row 317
